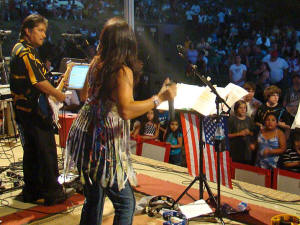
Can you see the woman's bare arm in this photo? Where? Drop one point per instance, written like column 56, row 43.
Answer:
column 128, row 108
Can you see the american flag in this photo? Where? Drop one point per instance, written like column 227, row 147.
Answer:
column 190, row 128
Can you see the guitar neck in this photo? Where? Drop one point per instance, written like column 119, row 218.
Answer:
column 65, row 77
column 60, row 86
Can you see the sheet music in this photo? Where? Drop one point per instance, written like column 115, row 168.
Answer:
column 205, row 103
column 296, row 123
column 202, row 100
column 182, row 101
column 235, row 93
column 195, row 209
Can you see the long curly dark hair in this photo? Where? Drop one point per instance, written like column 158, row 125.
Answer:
column 117, row 48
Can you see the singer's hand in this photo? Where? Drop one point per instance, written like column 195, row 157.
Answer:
column 165, row 85
column 168, row 91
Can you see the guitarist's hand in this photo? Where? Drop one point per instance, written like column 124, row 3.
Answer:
column 68, row 70
column 65, row 77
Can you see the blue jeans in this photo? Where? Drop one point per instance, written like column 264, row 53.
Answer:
column 123, row 202
column 176, row 159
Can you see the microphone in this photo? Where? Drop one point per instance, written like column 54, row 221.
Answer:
column 5, row 32
column 67, row 35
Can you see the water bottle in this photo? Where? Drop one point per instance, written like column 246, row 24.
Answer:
column 219, row 138
column 242, row 206
column 219, row 134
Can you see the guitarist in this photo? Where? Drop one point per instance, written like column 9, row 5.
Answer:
column 30, row 90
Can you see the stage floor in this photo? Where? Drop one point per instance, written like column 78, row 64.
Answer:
column 155, row 178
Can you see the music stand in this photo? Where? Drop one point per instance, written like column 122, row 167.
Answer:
column 201, row 178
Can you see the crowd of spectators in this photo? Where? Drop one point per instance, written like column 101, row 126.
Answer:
column 235, row 34
column 265, row 60
column 264, row 129
column 229, row 42
column 68, row 9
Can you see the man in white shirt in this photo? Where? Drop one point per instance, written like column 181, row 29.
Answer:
column 278, row 68
column 237, row 72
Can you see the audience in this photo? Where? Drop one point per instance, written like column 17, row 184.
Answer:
column 290, row 160
column 292, row 96
column 173, row 136
column 271, row 143
column 263, row 79
column 149, row 127
column 237, row 72
column 240, row 133
column 252, row 103
column 272, row 94
column 163, row 117
column 278, row 69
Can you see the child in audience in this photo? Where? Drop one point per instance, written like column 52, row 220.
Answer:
column 263, row 79
column 292, row 97
column 271, row 143
column 149, row 128
column 291, row 158
column 163, row 118
column 272, row 95
column 241, row 129
column 251, row 102
column 173, row 136
column 135, row 126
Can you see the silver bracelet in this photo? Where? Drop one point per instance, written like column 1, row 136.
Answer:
column 155, row 100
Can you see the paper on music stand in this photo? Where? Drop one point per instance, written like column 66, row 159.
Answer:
column 195, row 209
column 202, row 100
column 296, row 123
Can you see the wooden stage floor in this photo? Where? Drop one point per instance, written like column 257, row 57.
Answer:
column 11, row 154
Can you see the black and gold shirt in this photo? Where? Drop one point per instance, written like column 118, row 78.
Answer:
column 27, row 69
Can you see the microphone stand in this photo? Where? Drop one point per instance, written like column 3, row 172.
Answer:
column 71, row 37
column 218, row 147
column 4, row 77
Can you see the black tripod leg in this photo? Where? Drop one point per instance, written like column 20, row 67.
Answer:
column 185, row 191
column 210, row 194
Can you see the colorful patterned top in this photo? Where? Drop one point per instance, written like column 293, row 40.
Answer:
column 270, row 161
column 150, row 129
column 98, row 143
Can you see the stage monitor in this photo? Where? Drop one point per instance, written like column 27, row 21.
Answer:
column 77, row 76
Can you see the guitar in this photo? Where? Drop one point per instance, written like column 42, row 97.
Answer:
column 48, row 105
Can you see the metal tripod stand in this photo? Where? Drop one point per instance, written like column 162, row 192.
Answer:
column 203, row 181
column 218, row 147
column 4, row 75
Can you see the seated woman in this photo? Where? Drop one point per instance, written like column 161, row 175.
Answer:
column 271, row 143
column 241, row 129
column 149, row 127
